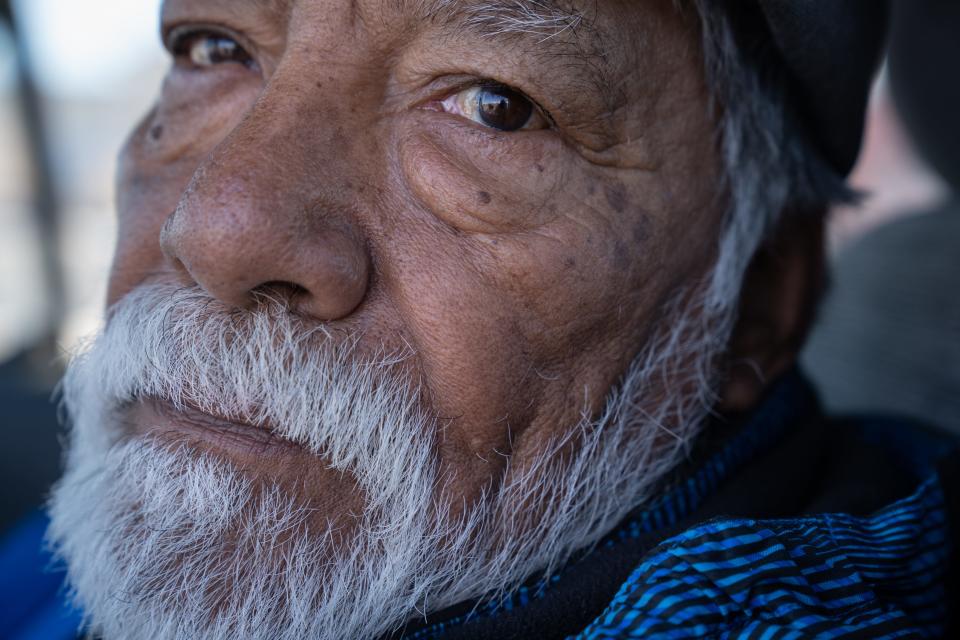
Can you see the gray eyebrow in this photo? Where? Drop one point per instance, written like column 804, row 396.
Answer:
column 523, row 17
column 542, row 19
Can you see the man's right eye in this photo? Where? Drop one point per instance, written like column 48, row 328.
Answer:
column 205, row 48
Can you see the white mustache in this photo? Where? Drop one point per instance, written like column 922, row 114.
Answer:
column 261, row 367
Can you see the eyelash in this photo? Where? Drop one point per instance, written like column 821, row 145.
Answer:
column 177, row 40
column 176, row 37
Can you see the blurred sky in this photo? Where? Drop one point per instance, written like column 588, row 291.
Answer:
column 88, row 48
column 98, row 64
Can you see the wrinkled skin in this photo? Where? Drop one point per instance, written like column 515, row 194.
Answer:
column 524, row 269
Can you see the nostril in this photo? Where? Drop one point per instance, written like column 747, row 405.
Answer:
column 179, row 271
column 286, row 294
column 178, row 266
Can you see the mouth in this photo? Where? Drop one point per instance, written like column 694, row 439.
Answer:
column 157, row 417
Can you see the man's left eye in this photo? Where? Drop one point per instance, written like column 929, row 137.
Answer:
column 207, row 48
column 496, row 106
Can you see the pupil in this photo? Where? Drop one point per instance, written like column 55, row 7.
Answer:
column 503, row 108
column 223, row 49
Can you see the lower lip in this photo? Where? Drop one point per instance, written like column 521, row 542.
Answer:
column 157, row 417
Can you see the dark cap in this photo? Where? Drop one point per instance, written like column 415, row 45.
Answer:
column 830, row 50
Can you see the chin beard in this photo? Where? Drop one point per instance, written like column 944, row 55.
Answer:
column 161, row 541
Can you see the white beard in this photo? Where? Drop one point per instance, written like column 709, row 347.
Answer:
column 168, row 543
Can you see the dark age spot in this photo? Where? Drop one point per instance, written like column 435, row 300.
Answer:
column 641, row 228
column 483, row 197
column 616, row 197
column 538, row 167
column 156, row 132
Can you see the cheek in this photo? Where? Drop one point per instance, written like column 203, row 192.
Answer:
column 564, row 245
column 196, row 111
column 193, row 116
column 146, row 195
column 574, row 285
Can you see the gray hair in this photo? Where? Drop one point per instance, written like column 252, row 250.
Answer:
column 771, row 168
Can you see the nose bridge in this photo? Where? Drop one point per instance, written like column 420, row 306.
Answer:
column 266, row 208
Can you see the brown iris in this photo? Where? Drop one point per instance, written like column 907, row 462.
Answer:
column 503, row 108
column 215, row 49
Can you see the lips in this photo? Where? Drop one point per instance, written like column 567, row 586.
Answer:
column 154, row 416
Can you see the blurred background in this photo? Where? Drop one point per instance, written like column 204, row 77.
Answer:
column 75, row 77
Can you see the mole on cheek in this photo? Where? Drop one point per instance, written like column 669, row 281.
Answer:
column 156, row 132
column 641, row 228
column 616, row 197
column 483, row 197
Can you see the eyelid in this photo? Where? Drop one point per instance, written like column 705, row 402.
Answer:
column 175, row 37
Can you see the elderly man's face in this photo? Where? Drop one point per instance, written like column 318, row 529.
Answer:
column 499, row 205
column 514, row 208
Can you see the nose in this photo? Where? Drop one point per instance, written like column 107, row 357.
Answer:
column 253, row 218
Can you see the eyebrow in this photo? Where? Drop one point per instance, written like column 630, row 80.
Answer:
column 556, row 28
column 542, row 20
